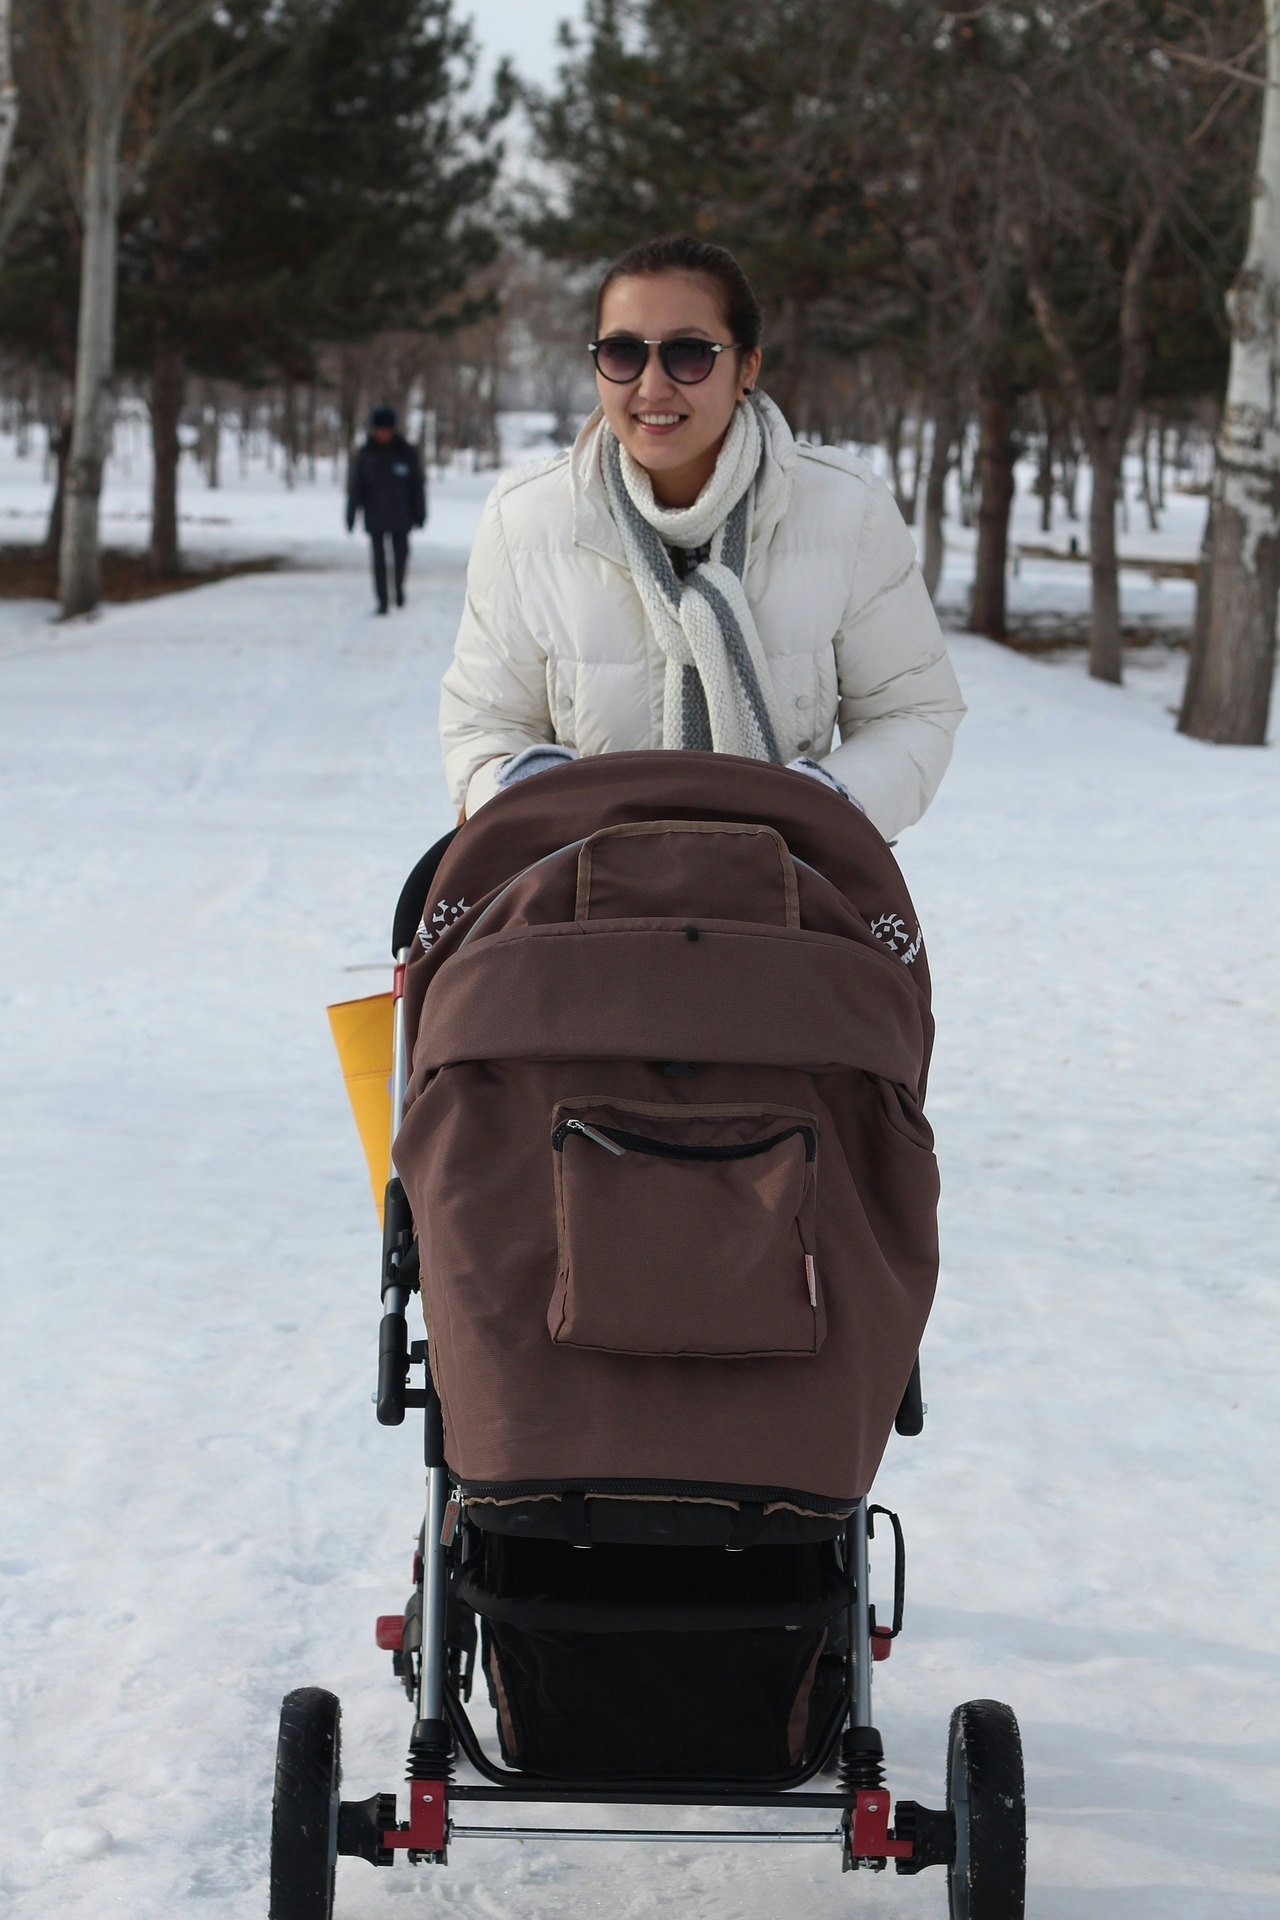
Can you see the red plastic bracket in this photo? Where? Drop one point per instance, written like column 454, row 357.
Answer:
column 388, row 1631
column 870, row 1836
column 881, row 1643
column 397, row 980
column 428, row 1819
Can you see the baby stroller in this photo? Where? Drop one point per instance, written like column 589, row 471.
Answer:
column 663, row 1181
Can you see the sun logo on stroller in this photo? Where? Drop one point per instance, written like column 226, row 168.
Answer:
column 443, row 916
column 891, row 932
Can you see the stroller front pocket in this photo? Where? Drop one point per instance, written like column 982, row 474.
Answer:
column 685, row 1231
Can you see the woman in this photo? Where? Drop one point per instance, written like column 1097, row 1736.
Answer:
column 687, row 575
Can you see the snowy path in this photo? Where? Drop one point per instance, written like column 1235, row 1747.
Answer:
column 208, row 805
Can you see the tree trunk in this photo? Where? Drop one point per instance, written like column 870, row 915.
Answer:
column 946, row 425
column 309, row 431
column 79, row 569
column 1070, row 477
column 1228, row 693
column 1200, row 620
column 289, row 432
column 1104, row 627
column 1148, row 479
column 1044, row 479
column 995, row 480
column 167, row 381
column 211, row 434
column 8, row 92
column 61, row 446
column 911, row 495
column 966, row 462
column 786, row 380
column 893, row 441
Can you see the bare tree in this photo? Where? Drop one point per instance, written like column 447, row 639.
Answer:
column 1105, row 421
column 107, row 47
column 1228, row 691
column 8, row 91
column 101, row 48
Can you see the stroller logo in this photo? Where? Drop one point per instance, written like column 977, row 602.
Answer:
column 442, row 918
column 891, row 932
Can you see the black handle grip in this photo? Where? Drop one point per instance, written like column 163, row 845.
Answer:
column 899, row 1563
column 393, row 1365
column 910, row 1416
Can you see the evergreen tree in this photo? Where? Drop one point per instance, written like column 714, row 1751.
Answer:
column 347, row 190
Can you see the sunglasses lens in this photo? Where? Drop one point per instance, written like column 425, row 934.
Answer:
column 621, row 359
column 688, row 361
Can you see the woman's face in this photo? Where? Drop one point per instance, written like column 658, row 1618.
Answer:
column 673, row 431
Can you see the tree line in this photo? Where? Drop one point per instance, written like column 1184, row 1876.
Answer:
column 976, row 230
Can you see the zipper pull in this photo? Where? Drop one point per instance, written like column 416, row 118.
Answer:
column 811, row 1275
column 593, row 1133
column 452, row 1515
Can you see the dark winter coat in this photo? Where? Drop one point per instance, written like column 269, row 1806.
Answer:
column 387, row 486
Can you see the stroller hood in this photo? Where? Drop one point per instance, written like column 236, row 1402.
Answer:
column 664, row 1137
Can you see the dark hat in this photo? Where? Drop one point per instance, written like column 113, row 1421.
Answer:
column 382, row 417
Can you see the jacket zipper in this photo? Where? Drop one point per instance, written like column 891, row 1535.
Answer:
column 619, row 1141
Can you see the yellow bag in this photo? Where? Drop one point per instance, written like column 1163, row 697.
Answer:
column 362, row 1033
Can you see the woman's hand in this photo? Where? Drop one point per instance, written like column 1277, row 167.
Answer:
column 530, row 760
column 816, row 771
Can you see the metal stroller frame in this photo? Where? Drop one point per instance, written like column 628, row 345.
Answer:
column 979, row 1837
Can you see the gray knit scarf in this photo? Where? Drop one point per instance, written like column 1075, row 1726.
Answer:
column 718, row 693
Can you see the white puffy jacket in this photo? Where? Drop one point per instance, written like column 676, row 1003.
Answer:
column 554, row 645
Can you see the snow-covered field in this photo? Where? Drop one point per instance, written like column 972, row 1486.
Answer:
column 208, row 804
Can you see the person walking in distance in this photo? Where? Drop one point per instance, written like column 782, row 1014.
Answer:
column 388, row 487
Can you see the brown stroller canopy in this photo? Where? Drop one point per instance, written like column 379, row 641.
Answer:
column 664, row 1139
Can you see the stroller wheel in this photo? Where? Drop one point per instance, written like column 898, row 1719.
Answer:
column 987, row 1795
column 304, row 1808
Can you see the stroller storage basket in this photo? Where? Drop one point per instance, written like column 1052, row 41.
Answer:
column 627, row 1663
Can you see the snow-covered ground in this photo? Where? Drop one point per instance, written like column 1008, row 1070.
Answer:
column 209, row 802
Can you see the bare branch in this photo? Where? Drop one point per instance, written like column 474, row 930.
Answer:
column 1234, row 72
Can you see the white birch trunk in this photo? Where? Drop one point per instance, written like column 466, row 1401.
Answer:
column 8, row 92
column 79, row 568
column 1233, row 660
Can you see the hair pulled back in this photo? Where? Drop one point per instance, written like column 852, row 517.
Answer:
column 681, row 253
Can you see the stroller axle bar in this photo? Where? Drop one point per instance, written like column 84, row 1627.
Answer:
column 782, row 1838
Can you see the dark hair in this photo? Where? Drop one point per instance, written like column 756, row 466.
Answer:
column 680, row 253
column 382, row 417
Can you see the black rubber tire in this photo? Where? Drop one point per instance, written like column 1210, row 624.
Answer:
column 986, row 1791
column 304, row 1807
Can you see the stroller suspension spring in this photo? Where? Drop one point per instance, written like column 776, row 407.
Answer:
column 861, row 1760
column 430, row 1751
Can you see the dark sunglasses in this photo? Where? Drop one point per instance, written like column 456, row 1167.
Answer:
column 621, row 358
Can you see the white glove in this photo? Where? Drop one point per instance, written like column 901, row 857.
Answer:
column 816, row 771
column 530, row 760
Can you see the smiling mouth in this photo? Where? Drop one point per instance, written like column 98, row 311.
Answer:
column 659, row 422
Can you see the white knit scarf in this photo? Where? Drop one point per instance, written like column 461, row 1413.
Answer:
column 718, row 692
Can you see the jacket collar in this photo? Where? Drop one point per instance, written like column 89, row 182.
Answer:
column 594, row 525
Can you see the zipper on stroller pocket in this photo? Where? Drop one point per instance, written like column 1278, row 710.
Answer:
column 619, row 1141
column 588, row 1133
